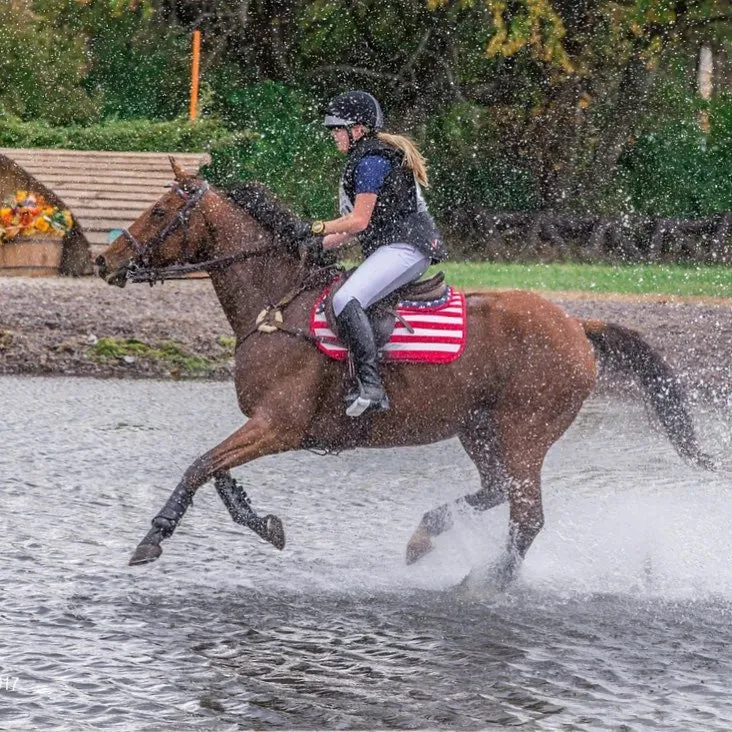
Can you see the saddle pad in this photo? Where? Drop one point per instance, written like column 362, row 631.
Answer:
column 439, row 332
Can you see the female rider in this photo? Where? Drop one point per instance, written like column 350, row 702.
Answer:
column 381, row 203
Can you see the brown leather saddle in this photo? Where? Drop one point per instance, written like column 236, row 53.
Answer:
column 383, row 314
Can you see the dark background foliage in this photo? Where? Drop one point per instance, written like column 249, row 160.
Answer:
column 573, row 107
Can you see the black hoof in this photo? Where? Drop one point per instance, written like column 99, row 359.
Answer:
column 274, row 531
column 145, row 553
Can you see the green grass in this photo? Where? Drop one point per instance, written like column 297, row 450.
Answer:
column 701, row 280
column 170, row 353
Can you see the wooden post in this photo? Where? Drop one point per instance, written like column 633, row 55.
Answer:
column 704, row 78
column 193, row 113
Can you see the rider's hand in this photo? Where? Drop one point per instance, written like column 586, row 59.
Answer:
column 312, row 244
column 316, row 253
column 302, row 230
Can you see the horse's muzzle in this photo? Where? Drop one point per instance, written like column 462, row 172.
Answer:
column 117, row 277
column 101, row 264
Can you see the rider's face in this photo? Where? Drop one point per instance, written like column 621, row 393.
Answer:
column 340, row 137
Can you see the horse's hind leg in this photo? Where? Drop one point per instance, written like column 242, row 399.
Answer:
column 483, row 448
column 526, row 428
column 508, row 446
column 526, row 514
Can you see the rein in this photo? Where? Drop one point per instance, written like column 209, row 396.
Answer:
column 151, row 275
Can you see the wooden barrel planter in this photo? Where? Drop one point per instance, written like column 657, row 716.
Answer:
column 37, row 256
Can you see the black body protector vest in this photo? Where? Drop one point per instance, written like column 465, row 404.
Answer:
column 400, row 213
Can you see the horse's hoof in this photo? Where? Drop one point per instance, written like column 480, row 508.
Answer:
column 419, row 545
column 275, row 531
column 145, row 553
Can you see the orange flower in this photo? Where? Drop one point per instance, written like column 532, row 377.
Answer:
column 28, row 213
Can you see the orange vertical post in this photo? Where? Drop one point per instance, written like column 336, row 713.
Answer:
column 195, row 66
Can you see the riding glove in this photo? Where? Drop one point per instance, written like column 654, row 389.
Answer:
column 301, row 230
column 312, row 244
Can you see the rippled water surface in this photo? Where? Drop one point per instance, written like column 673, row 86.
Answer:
column 621, row 619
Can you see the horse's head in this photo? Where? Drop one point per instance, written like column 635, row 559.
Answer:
column 163, row 235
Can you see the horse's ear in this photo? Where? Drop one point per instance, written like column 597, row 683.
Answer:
column 180, row 174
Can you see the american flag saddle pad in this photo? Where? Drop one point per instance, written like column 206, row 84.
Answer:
column 437, row 331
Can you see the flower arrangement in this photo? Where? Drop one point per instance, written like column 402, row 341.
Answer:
column 28, row 214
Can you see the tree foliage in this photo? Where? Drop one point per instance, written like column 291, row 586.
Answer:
column 525, row 104
column 42, row 71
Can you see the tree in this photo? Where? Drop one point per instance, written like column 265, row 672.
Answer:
column 518, row 103
column 586, row 70
column 42, row 71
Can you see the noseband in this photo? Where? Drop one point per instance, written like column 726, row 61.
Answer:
column 141, row 269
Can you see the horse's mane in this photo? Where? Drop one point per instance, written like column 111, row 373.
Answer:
column 265, row 208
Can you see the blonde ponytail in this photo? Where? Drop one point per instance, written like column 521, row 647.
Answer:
column 413, row 158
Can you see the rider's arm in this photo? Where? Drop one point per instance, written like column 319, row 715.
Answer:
column 357, row 220
column 333, row 241
column 369, row 177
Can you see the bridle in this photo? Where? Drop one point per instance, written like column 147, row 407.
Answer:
column 141, row 269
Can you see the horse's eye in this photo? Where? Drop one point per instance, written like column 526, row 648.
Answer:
column 157, row 213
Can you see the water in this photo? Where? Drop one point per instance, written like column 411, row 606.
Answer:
column 621, row 619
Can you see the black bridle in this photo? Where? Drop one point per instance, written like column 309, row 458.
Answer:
column 141, row 269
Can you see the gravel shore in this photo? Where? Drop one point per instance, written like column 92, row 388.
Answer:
column 83, row 327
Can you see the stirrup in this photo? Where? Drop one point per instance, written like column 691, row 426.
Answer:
column 361, row 404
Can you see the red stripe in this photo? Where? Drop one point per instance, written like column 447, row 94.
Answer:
column 431, row 326
column 422, row 356
column 423, row 339
column 428, row 325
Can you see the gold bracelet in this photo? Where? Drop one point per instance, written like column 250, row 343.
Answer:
column 318, row 227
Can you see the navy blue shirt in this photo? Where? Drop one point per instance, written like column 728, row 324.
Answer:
column 370, row 174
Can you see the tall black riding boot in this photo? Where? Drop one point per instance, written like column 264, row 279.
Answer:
column 355, row 331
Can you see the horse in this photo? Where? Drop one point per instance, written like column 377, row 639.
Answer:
column 525, row 371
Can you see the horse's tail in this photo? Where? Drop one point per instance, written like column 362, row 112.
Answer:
column 623, row 351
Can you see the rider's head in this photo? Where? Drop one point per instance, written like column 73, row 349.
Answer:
column 351, row 115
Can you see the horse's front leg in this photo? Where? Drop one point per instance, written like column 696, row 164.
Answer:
column 259, row 436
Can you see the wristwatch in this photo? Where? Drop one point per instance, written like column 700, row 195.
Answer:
column 318, row 227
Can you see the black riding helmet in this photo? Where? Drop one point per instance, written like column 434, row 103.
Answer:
column 353, row 108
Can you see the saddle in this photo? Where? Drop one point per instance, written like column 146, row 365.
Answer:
column 383, row 314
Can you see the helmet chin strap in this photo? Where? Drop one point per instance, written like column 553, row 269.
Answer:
column 351, row 141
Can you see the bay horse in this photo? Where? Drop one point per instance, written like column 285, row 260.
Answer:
column 526, row 369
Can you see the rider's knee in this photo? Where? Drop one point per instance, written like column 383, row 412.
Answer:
column 341, row 299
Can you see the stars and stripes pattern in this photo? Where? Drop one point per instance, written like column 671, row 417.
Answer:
column 439, row 331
